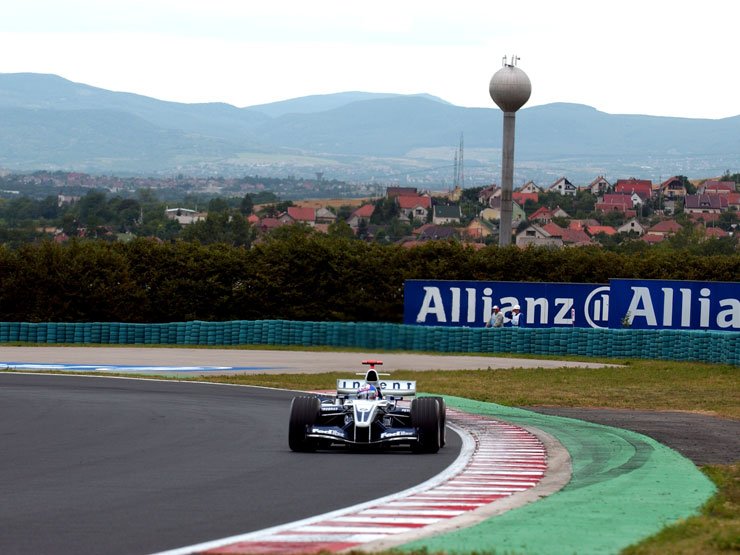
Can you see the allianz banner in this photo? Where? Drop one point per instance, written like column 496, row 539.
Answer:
column 686, row 305
column 469, row 303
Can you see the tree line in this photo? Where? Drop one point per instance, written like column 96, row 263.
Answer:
column 298, row 275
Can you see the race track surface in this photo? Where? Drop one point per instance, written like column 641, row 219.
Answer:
column 106, row 465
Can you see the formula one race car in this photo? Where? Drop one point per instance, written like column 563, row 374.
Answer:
column 368, row 412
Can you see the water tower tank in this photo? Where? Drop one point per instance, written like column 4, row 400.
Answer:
column 510, row 88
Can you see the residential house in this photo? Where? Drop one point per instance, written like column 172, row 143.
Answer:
column 643, row 187
column 434, row 232
column 652, row 239
column 268, row 224
column 563, row 186
column 414, row 207
column 536, row 235
column 302, row 215
column 285, row 218
column 446, row 214
column 456, row 194
column 599, row 186
column 632, row 226
column 494, row 212
column 672, row 188
column 617, row 202
column 733, row 201
column 520, row 198
column 706, row 203
column 363, row 213
column 593, row 230
column 393, row 192
column 325, row 216
column 582, row 224
column 574, row 237
column 67, row 199
column 664, row 229
column 545, row 214
column 714, row 186
column 488, row 193
column 479, row 229
column 716, row 232
column 184, row 216
column 530, row 187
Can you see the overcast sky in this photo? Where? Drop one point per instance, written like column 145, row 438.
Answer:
column 658, row 57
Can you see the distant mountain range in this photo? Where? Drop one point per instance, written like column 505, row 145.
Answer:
column 50, row 123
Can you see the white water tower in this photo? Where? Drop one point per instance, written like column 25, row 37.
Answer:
column 510, row 89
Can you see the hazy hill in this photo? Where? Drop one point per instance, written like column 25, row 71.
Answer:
column 51, row 123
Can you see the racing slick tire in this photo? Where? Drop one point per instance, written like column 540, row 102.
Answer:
column 442, row 420
column 425, row 418
column 304, row 411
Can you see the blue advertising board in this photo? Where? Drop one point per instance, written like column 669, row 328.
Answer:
column 641, row 304
column 656, row 304
column 469, row 303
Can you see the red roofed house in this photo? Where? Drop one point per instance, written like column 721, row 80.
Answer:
column 733, row 201
column 364, row 212
column 520, row 198
column 301, row 215
column 414, row 207
column 568, row 236
column 617, row 202
column 672, row 188
column 545, row 214
column 643, row 187
column 268, row 224
column 718, row 187
column 664, row 228
column 596, row 229
column 393, row 192
column 582, row 224
column 715, row 232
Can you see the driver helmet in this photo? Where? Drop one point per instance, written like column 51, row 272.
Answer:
column 367, row 391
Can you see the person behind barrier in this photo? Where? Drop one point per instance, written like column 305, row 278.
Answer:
column 516, row 317
column 497, row 318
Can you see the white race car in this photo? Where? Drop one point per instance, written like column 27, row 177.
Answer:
column 368, row 412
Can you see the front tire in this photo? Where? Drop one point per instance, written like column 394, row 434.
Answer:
column 425, row 418
column 442, row 420
column 304, row 411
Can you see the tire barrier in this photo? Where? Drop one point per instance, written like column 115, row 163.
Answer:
column 686, row 345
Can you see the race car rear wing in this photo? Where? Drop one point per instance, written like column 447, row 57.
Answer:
column 396, row 388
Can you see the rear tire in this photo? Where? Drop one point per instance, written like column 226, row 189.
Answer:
column 304, row 411
column 425, row 418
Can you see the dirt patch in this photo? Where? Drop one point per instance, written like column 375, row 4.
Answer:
column 702, row 438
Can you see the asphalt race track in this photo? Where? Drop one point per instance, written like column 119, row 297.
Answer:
column 107, row 465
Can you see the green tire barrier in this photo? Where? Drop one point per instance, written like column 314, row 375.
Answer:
column 705, row 346
column 624, row 488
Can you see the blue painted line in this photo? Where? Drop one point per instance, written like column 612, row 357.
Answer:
column 119, row 368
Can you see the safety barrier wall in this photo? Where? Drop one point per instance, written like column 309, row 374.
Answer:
column 704, row 346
